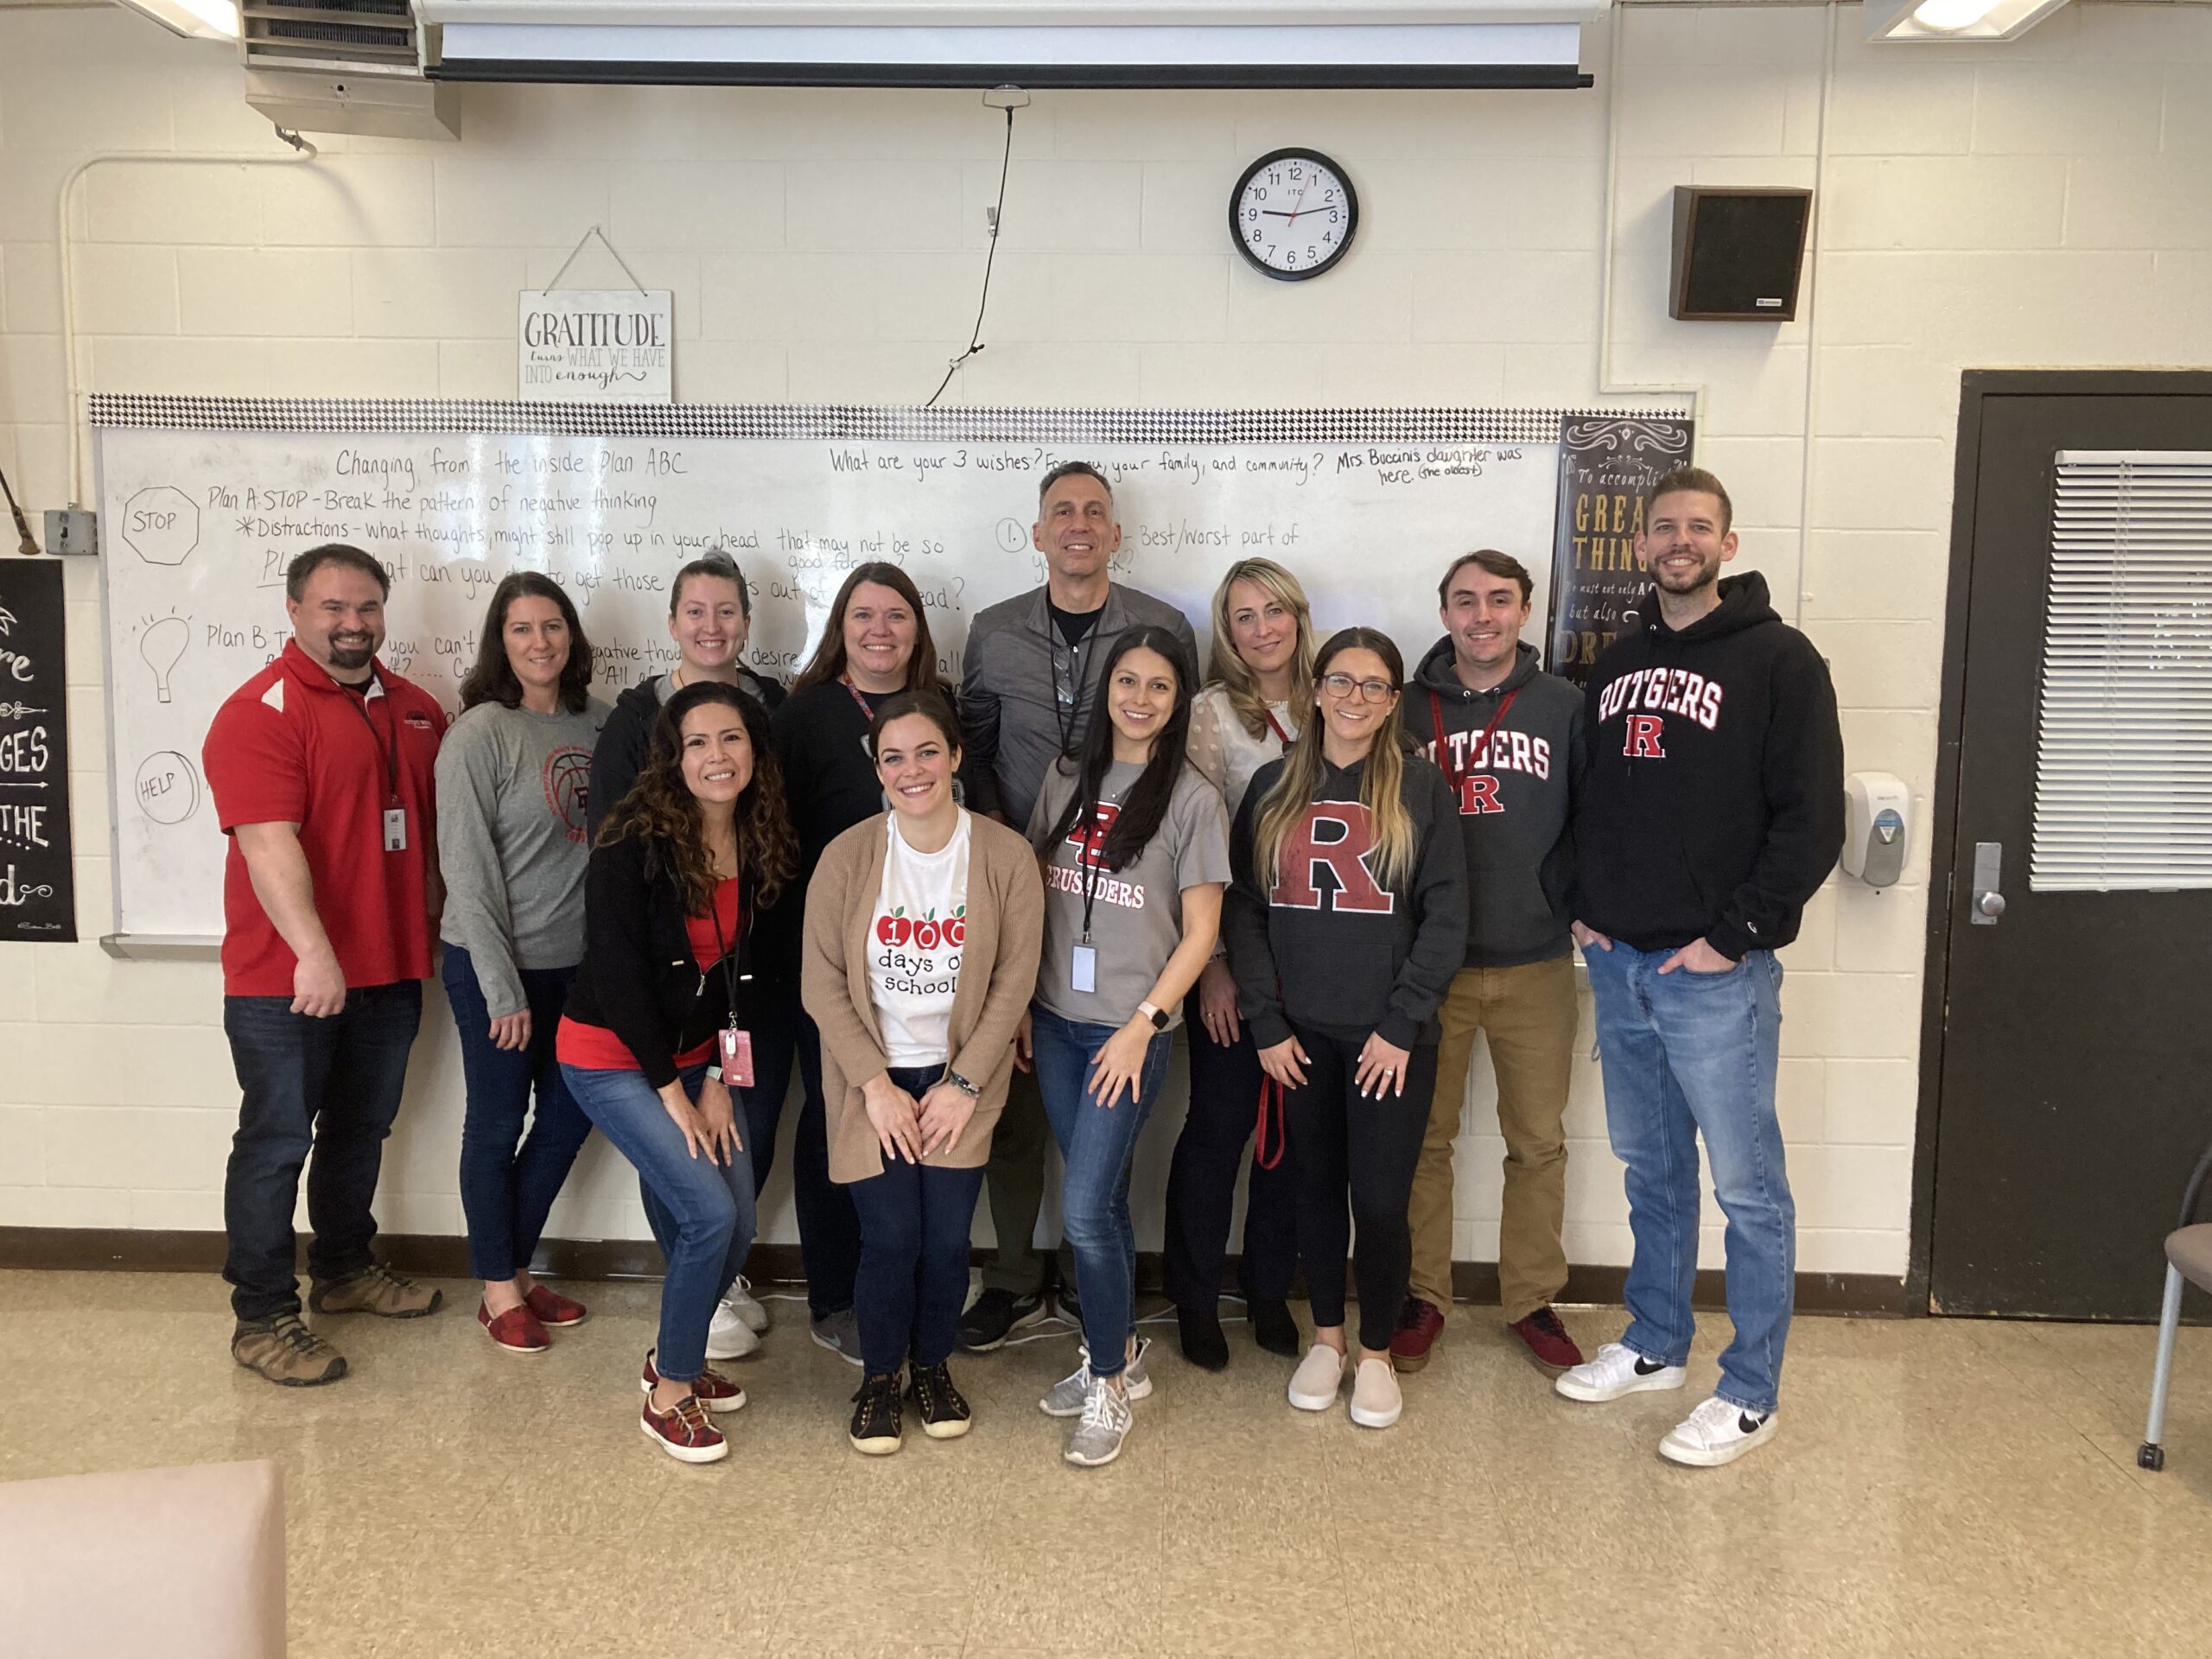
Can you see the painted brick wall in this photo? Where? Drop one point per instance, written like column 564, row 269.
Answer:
column 2042, row 203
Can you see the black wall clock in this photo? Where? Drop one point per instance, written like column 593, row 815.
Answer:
column 1292, row 213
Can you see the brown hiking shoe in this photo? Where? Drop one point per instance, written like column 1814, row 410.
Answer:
column 376, row 1290
column 285, row 1351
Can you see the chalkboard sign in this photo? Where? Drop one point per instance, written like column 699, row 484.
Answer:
column 1606, row 464
column 38, row 899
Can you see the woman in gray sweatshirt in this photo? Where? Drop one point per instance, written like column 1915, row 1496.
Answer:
column 513, row 776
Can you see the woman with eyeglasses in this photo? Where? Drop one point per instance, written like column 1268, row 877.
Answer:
column 1260, row 694
column 1347, row 919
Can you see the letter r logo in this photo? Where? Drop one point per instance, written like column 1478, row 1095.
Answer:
column 1642, row 743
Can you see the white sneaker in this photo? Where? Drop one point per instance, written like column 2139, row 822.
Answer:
column 1617, row 1369
column 1067, row 1395
column 1105, row 1424
column 728, row 1337
column 1313, row 1385
column 1376, row 1401
column 1716, row 1433
column 740, row 1300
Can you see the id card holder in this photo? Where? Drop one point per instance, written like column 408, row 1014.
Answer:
column 1083, row 971
column 737, row 1057
column 395, row 828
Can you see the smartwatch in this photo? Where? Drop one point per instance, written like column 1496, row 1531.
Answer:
column 1158, row 1016
column 963, row 1084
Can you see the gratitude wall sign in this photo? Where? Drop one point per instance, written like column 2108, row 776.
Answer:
column 586, row 345
column 37, row 894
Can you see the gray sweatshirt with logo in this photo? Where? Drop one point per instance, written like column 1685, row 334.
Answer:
column 513, row 789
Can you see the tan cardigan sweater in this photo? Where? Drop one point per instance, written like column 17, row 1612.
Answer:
column 1005, row 929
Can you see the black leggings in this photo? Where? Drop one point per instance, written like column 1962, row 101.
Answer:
column 1202, row 1180
column 1372, row 1147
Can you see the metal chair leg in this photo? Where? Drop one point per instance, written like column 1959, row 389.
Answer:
column 2150, row 1455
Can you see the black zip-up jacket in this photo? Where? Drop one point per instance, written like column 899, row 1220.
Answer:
column 621, row 754
column 1342, row 955
column 638, row 978
column 1713, row 804
column 1515, row 799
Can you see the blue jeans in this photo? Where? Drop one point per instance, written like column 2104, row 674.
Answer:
column 699, row 1211
column 829, row 1232
column 331, row 1086
column 507, row 1190
column 1096, row 1144
column 915, row 1222
column 1688, row 1054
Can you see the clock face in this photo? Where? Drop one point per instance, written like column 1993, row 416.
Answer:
column 1292, row 213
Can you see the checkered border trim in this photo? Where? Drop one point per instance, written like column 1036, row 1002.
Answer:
column 847, row 422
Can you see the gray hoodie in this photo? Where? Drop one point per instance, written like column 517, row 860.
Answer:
column 1515, row 795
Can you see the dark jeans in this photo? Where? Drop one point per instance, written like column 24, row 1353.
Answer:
column 1202, row 1179
column 828, row 1231
column 1372, row 1147
column 329, row 1086
column 915, row 1222
column 701, row 1211
column 507, row 1189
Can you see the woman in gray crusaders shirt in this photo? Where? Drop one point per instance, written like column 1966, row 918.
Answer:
column 1135, row 844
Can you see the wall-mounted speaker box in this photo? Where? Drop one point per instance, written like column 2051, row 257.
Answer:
column 1737, row 253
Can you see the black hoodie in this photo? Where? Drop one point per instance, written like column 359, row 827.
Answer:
column 1713, row 804
column 1514, row 798
column 1348, row 958
column 628, row 733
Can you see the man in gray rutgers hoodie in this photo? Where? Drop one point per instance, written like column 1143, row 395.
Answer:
column 1510, row 739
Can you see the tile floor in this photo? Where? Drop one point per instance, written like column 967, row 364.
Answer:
column 1940, row 1487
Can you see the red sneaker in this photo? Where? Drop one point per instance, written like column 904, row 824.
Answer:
column 1420, row 1324
column 713, row 1390
column 1548, row 1340
column 517, row 1331
column 553, row 1309
column 683, row 1432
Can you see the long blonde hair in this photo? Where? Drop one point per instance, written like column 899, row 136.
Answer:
column 1234, row 675
column 1380, row 783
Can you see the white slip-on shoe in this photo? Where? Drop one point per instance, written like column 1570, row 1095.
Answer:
column 1376, row 1400
column 1313, row 1385
column 1616, row 1369
column 728, row 1337
column 1718, row 1431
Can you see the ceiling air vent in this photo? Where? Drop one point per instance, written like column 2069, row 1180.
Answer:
column 343, row 66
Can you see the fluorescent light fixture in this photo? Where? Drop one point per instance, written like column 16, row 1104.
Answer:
column 196, row 20
column 1193, row 43
column 1954, row 20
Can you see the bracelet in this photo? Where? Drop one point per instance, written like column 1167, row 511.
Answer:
column 714, row 1073
column 971, row 1090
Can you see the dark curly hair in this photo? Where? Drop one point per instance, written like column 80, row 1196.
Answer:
column 660, row 808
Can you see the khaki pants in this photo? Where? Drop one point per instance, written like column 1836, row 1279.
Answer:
column 1528, row 1014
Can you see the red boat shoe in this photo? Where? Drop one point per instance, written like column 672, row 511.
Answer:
column 714, row 1390
column 1420, row 1324
column 516, row 1331
column 1548, row 1340
column 553, row 1309
column 683, row 1432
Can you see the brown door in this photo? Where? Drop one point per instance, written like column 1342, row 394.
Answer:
column 2070, row 1003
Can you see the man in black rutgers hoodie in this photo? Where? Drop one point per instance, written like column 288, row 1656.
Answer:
column 1712, row 811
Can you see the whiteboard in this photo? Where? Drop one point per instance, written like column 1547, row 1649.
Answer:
column 204, row 502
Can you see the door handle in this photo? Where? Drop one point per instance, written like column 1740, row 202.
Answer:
column 1988, row 883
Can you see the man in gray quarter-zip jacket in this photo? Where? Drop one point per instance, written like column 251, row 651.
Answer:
column 1029, row 682
column 1510, row 739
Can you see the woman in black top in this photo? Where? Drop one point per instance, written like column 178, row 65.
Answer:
column 875, row 643
column 660, row 1019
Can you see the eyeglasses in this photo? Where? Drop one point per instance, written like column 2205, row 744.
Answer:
column 1342, row 685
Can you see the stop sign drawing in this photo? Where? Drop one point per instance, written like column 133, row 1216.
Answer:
column 161, row 524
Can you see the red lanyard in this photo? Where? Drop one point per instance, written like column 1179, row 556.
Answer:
column 1275, row 725
column 1482, row 743
column 1270, row 1095
column 858, row 701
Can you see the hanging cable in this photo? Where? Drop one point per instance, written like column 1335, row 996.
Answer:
column 998, row 217
column 29, row 546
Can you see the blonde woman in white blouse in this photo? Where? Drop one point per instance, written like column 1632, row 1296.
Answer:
column 1260, row 686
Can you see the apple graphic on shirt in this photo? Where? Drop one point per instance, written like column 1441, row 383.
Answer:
column 895, row 930
column 927, row 932
column 956, row 928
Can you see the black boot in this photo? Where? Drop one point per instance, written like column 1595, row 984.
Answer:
column 1272, row 1328
column 1203, row 1344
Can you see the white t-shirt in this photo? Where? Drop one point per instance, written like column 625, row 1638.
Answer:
column 916, row 939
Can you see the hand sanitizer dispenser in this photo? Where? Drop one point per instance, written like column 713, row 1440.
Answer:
column 1876, row 806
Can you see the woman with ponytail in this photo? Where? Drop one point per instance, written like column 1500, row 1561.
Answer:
column 1346, row 921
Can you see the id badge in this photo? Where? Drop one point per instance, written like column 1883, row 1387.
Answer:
column 737, row 1057
column 1082, row 973
column 395, row 828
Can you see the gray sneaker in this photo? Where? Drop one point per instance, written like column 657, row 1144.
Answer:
column 1068, row 1395
column 840, row 1333
column 1097, row 1435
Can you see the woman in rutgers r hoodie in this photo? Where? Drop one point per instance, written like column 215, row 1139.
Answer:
column 1346, row 922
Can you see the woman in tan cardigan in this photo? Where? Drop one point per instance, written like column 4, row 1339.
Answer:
column 922, row 926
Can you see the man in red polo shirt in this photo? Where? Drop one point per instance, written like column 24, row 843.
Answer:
column 321, row 766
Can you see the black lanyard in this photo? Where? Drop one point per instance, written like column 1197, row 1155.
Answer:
column 732, row 975
column 1068, row 711
column 389, row 756
column 1089, row 856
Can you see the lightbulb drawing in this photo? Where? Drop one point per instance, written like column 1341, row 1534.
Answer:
column 162, row 645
